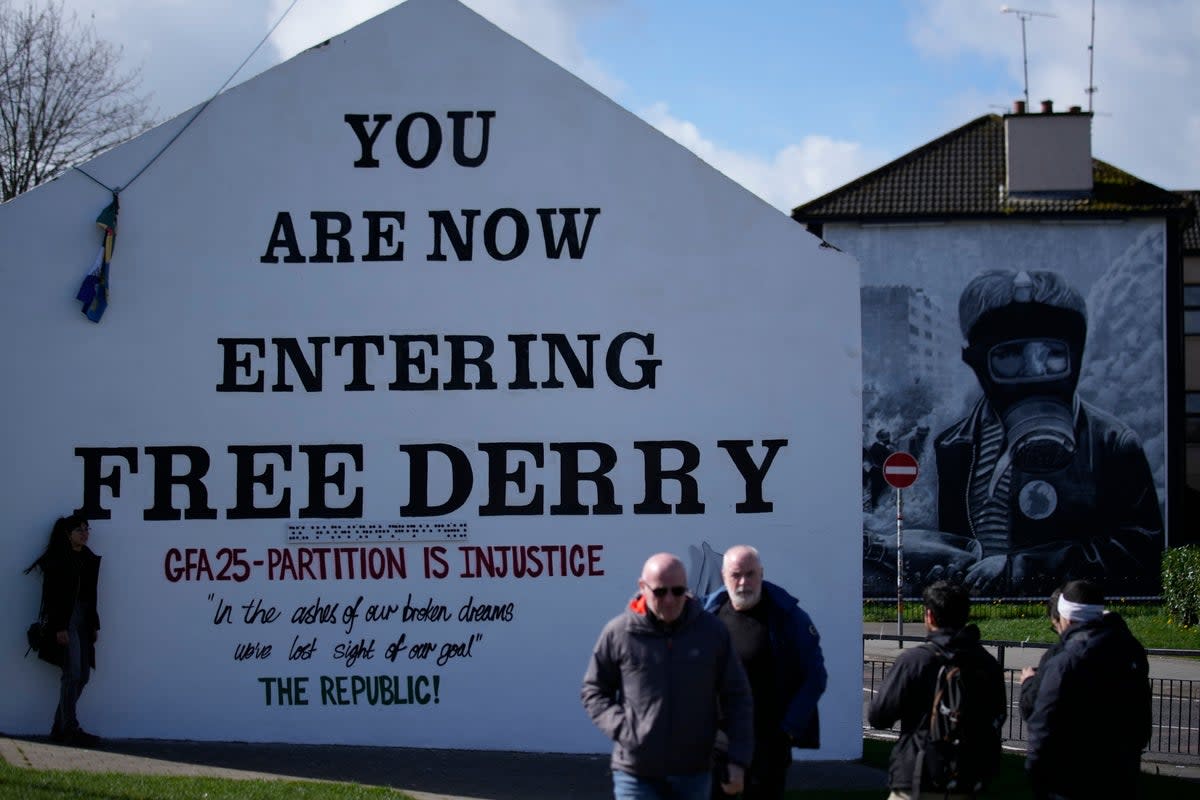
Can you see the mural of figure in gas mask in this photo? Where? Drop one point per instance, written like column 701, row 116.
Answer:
column 1048, row 487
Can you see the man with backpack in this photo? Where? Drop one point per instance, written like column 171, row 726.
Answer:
column 1092, row 714
column 948, row 695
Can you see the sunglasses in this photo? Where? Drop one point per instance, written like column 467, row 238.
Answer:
column 661, row 591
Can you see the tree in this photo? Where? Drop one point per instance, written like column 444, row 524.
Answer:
column 63, row 96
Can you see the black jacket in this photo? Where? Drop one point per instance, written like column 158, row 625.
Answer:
column 907, row 695
column 1105, row 524
column 1029, row 689
column 798, row 661
column 66, row 578
column 1092, row 714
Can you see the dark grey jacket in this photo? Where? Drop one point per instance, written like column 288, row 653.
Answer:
column 1092, row 715
column 655, row 692
column 907, row 696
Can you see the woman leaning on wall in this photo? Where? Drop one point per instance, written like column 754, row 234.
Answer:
column 71, row 624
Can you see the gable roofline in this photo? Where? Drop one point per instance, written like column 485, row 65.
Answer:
column 1191, row 230
column 962, row 175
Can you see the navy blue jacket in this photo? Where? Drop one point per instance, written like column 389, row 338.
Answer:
column 1091, row 717
column 799, row 666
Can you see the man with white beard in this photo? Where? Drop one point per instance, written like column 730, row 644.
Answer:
column 781, row 651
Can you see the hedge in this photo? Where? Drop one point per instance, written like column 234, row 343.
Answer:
column 1181, row 584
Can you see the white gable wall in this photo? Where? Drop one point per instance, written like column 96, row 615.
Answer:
column 755, row 326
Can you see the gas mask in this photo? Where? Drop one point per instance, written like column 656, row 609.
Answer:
column 1027, row 360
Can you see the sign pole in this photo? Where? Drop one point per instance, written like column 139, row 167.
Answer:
column 900, row 471
column 900, row 566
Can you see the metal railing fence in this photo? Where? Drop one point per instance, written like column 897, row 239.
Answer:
column 1175, row 710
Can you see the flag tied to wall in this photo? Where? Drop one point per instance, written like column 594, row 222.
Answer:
column 93, row 292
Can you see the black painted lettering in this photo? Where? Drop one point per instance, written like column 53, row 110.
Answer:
column 499, row 476
column 459, row 118
column 283, row 234
column 647, row 366
column 560, row 346
column 288, row 349
column 93, row 461
column 378, row 235
column 407, row 361
column 366, row 141
column 521, row 342
column 327, row 233
column 319, row 477
column 462, row 479
column 247, row 479
column 459, row 361
column 570, row 476
column 358, row 355
column 520, row 235
column 232, row 365
column 570, row 234
column 433, row 140
column 752, row 474
column 463, row 243
column 656, row 474
column 192, row 481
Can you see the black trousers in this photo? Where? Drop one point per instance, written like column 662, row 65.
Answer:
column 766, row 778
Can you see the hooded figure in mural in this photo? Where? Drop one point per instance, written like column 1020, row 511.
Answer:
column 1046, row 486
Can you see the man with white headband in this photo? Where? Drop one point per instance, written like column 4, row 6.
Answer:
column 1091, row 717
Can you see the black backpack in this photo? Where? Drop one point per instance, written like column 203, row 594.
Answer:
column 958, row 741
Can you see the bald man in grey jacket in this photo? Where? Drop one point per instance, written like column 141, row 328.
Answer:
column 657, row 677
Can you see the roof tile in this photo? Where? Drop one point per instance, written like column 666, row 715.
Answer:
column 962, row 175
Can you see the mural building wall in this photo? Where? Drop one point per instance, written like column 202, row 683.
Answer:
column 1022, row 365
column 416, row 348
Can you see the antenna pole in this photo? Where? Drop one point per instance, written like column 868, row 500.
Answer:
column 1091, row 89
column 1025, row 56
column 1025, row 16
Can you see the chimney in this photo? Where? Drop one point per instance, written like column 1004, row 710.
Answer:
column 1048, row 153
column 1018, row 106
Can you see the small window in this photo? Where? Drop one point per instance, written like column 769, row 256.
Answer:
column 1192, row 404
column 1191, row 296
column 1191, row 322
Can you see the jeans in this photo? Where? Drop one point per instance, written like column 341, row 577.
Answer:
column 671, row 787
column 75, row 673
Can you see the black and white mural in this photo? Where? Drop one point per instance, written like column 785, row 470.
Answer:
column 1022, row 365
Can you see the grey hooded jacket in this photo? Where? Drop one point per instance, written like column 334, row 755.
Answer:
column 657, row 692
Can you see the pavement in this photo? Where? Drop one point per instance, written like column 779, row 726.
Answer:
column 428, row 774
column 424, row 774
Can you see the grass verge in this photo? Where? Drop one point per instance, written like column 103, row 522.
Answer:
column 1018, row 622
column 18, row 783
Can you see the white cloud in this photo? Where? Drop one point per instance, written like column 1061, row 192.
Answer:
column 548, row 26
column 795, row 174
column 1147, row 67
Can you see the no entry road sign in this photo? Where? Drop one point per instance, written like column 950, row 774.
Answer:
column 900, row 470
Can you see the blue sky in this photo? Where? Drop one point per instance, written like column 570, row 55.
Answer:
column 792, row 98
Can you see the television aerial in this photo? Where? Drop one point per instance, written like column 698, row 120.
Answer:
column 1024, row 16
